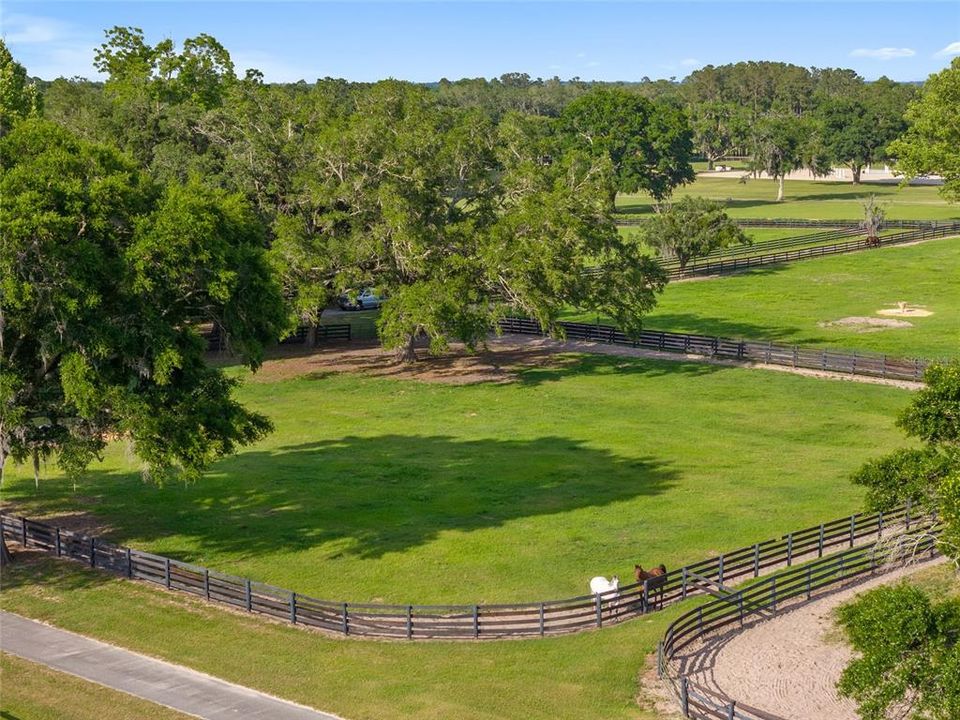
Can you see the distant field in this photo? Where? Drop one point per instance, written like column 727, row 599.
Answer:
column 786, row 303
column 806, row 199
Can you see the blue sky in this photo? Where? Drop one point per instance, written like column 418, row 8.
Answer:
column 428, row 40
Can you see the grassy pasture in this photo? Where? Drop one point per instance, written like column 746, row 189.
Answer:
column 375, row 489
column 806, row 199
column 34, row 692
column 593, row 674
column 786, row 303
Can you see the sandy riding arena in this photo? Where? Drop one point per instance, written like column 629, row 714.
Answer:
column 788, row 665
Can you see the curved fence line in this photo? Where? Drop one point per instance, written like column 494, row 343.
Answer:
column 799, row 222
column 496, row 621
column 737, row 264
column 735, row 608
column 856, row 363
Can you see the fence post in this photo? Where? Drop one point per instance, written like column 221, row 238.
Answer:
column 249, row 595
column 773, row 592
column 731, row 710
column 756, row 560
column 206, row 583
column 23, row 531
column 740, row 605
column 880, row 524
column 809, row 575
column 166, row 572
column 789, row 549
column 908, row 513
column 720, row 570
column 409, row 621
column 700, row 619
column 853, row 524
column 476, row 621
column 93, row 553
column 684, row 696
column 58, row 543
column 599, row 611
column 541, row 620
column 293, row 608
column 645, row 597
column 128, row 553
column 683, row 585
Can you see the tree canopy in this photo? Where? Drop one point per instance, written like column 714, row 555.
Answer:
column 104, row 279
column 909, row 654
column 648, row 144
column 930, row 145
column 691, row 228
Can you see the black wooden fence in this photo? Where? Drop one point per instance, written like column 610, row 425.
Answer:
column 415, row 622
column 752, row 259
column 851, row 363
column 217, row 342
column 801, row 223
column 734, row 608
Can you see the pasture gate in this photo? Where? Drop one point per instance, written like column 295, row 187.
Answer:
column 421, row 622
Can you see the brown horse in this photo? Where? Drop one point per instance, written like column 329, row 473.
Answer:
column 656, row 578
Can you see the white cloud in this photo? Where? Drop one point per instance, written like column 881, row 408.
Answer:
column 593, row 63
column 887, row 53
column 951, row 49
column 274, row 69
column 690, row 62
column 32, row 30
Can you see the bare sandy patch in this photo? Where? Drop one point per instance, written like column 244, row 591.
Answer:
column 863, row 324
column 788, row 665
column 903, row 309
column 498, row 363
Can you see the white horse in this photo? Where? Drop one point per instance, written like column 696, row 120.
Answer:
column 600, row 585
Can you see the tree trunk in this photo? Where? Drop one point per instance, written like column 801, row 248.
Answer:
column 780, row 189
column 407, row 353
column 709, row 163
column 857, row 169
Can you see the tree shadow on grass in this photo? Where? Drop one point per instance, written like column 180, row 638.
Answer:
column 721, row 327
column 367, row 496
column 34, row 568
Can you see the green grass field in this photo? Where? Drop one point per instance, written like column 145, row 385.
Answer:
column 377, row 489
column 593, row 674
column 786, row 303
column 34, row 692
column 806, row 199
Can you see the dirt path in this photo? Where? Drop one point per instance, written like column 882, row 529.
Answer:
column 788, row 666
column 504, row 358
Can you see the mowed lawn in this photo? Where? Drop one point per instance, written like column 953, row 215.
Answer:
column 806, row 199
column 34, row 692
column 593, row 674
column 377, row 489
column 797, row 302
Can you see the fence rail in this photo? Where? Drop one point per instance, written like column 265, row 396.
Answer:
column 801, row 223
column 416, row 622
column 851, row 363
column 769, row 594
column 737, row 264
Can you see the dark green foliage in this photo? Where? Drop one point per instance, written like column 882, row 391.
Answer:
column 18, row 98
column 103, row 278
column 691, row 228
column 648, row 144
column 930, row 145
column 930, row 474
column 909, row 655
